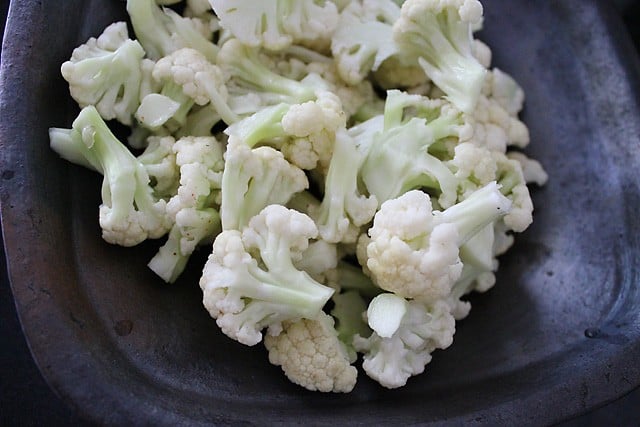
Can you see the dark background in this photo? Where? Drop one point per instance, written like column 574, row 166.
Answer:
column 26, row 400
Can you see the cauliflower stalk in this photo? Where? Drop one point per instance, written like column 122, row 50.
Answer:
column 401, row 149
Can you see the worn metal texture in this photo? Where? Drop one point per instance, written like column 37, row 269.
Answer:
column 557, row 336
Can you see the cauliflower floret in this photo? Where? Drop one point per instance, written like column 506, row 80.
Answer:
column 495, row 128
column 399, row 157
column 107, row 72
column 414, row 252
column 275, row 25
column 253, row 179
column 311, row 355
column 249, row 282
column 532, row 170
column 193, row 209
column 344, row 208
column 187, row 78
column 313, row 126
column 364, row 38
column 159, row 160
column 162, row 31
column 437, row 35
column 514, row 186
column 129, row 213
column 412, row 331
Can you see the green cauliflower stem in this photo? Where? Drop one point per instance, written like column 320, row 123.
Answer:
column 129, row 213
column 107, row 73
column 249, row 282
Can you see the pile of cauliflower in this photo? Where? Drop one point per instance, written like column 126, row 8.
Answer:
column 353, row 167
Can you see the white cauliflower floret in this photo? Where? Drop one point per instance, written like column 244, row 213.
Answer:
column 313, row 125
column 249, row 282
column 129, row 213
column 159, row 160
column 253, row 179
column 352, row 97
column 437, row 35
column 364, row 38
column 187, row 78
column 532, row 170
column 275, row 25
column 412, row 331
column 514, row 186
column 407, row 254
column 414, row 252
column 162, row 31
column 497, row 128
column 193, row 209
column 344, row 208
column 312, row 356
column 107, row 73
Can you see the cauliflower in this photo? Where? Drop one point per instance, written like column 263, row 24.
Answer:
column 276, row 24
column 348, row 164
column 249, row 282
column 401, row 150
column 253, row 179
column 344, row 208
column 129, row 213
column 364, row 38
column 159, row 159
column 414, row 252
column 187, row 78
column 162, row 31
column 252, row 76
column 405, row 334
column 312, row 355
column 437, row 34
column 304, row 133
column 107, row 73
column 193, row 210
